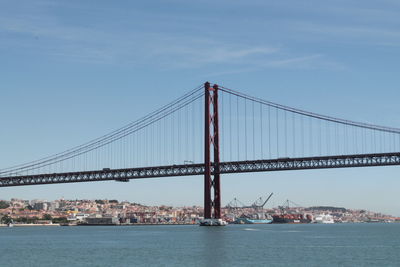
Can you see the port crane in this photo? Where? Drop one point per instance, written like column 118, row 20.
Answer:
column 235, row 204
column 259, row 203
column 286, row 206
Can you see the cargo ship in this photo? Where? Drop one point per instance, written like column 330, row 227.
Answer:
column 289, row 215
column 292, row 218
column 255, row 218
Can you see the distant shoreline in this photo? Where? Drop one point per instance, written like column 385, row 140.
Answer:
column 57, row 224
column 160, row 224
column 30, row 225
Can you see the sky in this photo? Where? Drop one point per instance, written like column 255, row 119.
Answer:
column 71, row 71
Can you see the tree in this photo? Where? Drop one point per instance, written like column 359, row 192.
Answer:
column 27, row 219
column 4, row 204
column 60, row 220
column 47, row 217
column 21, row 219
column 6, row 219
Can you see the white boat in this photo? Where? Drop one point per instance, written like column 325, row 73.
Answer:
column 213, row 222
column 324, row 218
column 11, row 223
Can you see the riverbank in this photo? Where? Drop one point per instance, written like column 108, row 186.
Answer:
column 29, row 225
column 57, row 224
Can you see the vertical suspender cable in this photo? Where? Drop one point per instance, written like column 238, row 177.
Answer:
column 245, row 128
column 254, row 131
column 261, row 134
column 320, row 137
column 286, row 141
column 237, row 127
column 230, row 127
column 311, row 137
column 277, row 132
column 302, row 135
column 269, row 132
column 221, row 123
column 294, row 133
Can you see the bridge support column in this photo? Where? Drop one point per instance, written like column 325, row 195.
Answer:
column 212, row 192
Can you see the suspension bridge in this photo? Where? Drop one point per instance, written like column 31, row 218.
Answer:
column 214, row 130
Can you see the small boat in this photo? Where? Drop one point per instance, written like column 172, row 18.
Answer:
column 324, row 218
column 213, row 222
column 10, row 223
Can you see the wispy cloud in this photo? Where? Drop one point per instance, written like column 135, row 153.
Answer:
column 88, row 44
column 198, row 52
column 40, row 32
column 351, row 32
column 310, row 62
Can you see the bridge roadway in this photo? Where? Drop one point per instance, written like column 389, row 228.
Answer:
column 280, row 164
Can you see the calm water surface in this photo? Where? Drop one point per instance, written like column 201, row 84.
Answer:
column 233, row 245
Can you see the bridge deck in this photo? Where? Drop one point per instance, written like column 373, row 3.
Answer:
column 280, row 164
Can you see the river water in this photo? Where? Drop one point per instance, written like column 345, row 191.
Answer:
column 233, row 245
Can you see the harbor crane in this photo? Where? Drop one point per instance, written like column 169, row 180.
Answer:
column 259, row 203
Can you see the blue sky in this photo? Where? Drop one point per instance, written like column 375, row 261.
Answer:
column 73, row 70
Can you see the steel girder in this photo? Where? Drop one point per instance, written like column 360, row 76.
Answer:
column 104, row 175
column 325, row 162
column 281, row 164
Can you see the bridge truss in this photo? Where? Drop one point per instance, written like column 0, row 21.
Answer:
column 283, row 164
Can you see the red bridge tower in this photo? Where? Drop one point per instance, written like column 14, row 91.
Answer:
column 212, row 190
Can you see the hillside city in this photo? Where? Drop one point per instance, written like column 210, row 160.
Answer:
column 114, row 212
